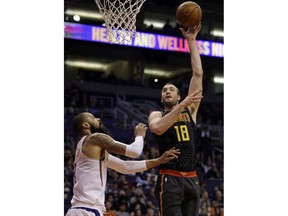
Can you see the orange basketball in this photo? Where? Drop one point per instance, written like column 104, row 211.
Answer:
column 188, row 14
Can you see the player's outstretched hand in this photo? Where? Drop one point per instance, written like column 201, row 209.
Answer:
column 169, row 155
column 192, row 98
column 140, row 130
column 191, row 33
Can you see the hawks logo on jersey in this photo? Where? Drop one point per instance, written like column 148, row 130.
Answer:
column 183, row 117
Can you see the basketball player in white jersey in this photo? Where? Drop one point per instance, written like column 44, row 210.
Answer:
column 92, row 159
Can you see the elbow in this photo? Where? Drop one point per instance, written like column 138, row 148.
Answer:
column 122, row 168
column 134, row 155
column 198, row 73
column 157, row 127
column 125, row 172
column 135, row 149
column 157, row 130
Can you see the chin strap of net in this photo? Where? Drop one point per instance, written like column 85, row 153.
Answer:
column 120, row 18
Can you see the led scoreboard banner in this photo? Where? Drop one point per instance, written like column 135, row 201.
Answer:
column 144, row 40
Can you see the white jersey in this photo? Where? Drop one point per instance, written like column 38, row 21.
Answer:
column 90, row 178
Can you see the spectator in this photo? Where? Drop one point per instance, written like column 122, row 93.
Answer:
column 208, row 165
column 150, row 212
column 205, row 198
column 123, row 209
column 137, row 211
column 122, row 182
column 109, row 209
column 141, row 179
column 213, row 173
column 138, row 201
column 138, row 196
column 111, row 199
column 151, row 200
column 122, row 198
column 204, row 211
column 215, row 210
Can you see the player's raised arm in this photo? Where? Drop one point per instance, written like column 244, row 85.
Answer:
column 196, row 64
column 106, row 142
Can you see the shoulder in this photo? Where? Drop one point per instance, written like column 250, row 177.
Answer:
column 155, row 113
column 98, row 138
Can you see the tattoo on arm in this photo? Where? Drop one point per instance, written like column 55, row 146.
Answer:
column 108, row 143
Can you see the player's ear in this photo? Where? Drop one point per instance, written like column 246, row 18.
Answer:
column 85, row 125
column 179, row 98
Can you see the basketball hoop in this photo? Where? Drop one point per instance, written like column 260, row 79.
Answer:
column 120, row 18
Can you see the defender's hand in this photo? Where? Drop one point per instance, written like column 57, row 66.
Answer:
column 140, row 130
column 169, row 155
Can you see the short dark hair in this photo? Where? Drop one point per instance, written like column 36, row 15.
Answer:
column 170, row 83
column 77, row 122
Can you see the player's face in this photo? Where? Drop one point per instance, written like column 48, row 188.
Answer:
column 170, row 96
column 97, row 125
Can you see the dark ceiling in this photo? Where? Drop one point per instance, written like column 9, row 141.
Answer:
column 212, row 16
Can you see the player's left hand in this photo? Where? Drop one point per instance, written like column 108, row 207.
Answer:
column 193, row 98
column 191, row 33
column 169, row 155
column 140, row 130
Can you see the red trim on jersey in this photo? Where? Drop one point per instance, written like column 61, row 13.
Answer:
column 178, row 173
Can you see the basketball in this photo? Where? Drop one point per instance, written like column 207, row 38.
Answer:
column 188, row 14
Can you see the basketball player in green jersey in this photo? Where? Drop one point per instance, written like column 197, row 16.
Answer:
column 177, row 189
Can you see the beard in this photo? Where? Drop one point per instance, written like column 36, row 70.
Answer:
column 101, row 129
column 169, row 104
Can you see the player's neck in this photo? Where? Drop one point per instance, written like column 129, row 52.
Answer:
column 168, row 109
column 82, row 134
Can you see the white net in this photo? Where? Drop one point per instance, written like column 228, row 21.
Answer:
column 120, row 18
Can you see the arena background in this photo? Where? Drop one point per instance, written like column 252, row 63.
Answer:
column 32, row 108
column 122, row 85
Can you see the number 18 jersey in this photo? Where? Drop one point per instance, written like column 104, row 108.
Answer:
column 182, row 135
